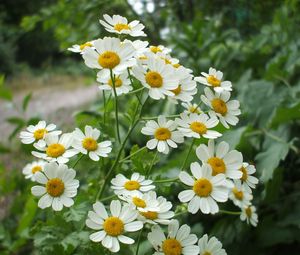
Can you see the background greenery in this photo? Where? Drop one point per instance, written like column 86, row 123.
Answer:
column 255, row 43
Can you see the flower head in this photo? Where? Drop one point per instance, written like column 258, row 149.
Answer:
column 248, row 181
column 191, row 108
column 210, row 246
column 239, row 196
column 249, row 215
column 32, row 168
column 78, row 48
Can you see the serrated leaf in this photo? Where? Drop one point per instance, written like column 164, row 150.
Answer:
column 76, row 213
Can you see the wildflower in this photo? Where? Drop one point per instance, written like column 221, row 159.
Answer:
column 79, row 48
column 210, row 246
column 191, row 108
column 249, row 215
column 30, row 169
column 248, row 181
column 239, row 196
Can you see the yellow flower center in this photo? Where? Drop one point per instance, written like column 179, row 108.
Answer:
column 238, row 194
column 36, row 169
column 219, row 106
column 143, row 58
column 198, row 127
column 150, row 215
column 202, row 187
column 132, row 185
column 176, row 65
column 154, row 79
column 162, row 134
column 212, row 80
column 245, row 175
column 193, row 109
column 177, row 90
column 155, row 49
column 90, row 144
column 39, row 133
column 167, row 61
column 55, row 187
column 55, row 150
column 118, row 82
column 171, row 247
column 87, row 44
column 248, row 212
column 138, row 202
column 207, row 253
column 113, row 226
column 109, row 59
column 217, row 165
column 120, row 26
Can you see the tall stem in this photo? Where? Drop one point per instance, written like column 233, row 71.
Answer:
column 112, row 77
column 188, row 154
column 139, row 241
column 151, row 166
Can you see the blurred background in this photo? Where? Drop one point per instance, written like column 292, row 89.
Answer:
column 255, row 43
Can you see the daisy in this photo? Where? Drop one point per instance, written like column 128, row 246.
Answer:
column 210, row 246
column 225, row 110
column 248, row 181
column 160, row 216
column 32, row 168
column 206, row 189
column 139, row 46
column 122, row 83
column 111, row 229
column 214, row 79
column 109, row 54
column 156, row 76
column 37, row 133
column 164, row 134
column 56, row 149
column 239, row 196
column 168, row 59
column 79, row 48
column 178, row 241
column 194, row 125
column 221, row 159
column 119, row 25
column 136, row 184
column 191, row 108
column 159, row 48
column 249, row 215
column 58, row 186
column 86, row 143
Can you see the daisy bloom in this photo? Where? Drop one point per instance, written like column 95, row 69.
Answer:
column 122, row 83
column 164, row 133
column 178, row 241
column 79, row 48
column 109, row 54
column 139, row 46
column 119, row 25
column 239, row 196
column 210, row 246
column 169, row 60
column 111, row 228
column 206, row 189
column 37, row 133
column 156, row 76
column 224, row 109
column 194, row 125
column 159, row 48
column 248, row 181
column 32, row 168
column 191, row 108
column 136, row 184
column 58, row 186
column 221, row 160
column 56, row 149
column 249, row 215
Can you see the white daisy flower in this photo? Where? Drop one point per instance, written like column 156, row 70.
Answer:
column 214, row 79
column 139, row 46
column 210, row 246
column 156, row 76
column 109, row 54
column 248, row 181
column 178, row 241
column 122, row 83
column 225, row 110
column 136, row 184
column 111, row 229
column 249, row 215
column 56, row 149
column 161, row 216
column 32, row 168
column 59, row 186
column 164, row 133
column 79, row 48
column 37, row 133
column 206, row 189
column 169, row 60
column 239, row 196
column 191, row 108
column 119, row 25
column 159, row 48
column 194, row 125
column 221, row 159
column 86, row 143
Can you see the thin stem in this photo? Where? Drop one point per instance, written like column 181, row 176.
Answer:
column 166, row 180
column 151, row 166
column 104, row 106
column 108, row 198
column 78, row 159
column 154, row 118
column 188, row 154
column 132, row 154
column 229, row 212
column 112, row 77
column 197, row 107
column 139, row 241
column 135, row 91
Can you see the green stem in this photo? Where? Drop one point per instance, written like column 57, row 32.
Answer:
column 188, row 154
column 229, row 212
column 78, row 159
column 108, row 198
column 132, row 154
column 135, row 91
column 179, row 214
column 151, row 166
column 166, row 180
column 154, row 118
column 197, row 107
column 139, row 241
column 104, row 106
column 112, row 77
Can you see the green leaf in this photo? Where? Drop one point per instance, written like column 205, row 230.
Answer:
column 76, row 213
column 16, row 121
column 233, row 137
column 286, row 114
column 4, row 149
column 26, row 101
